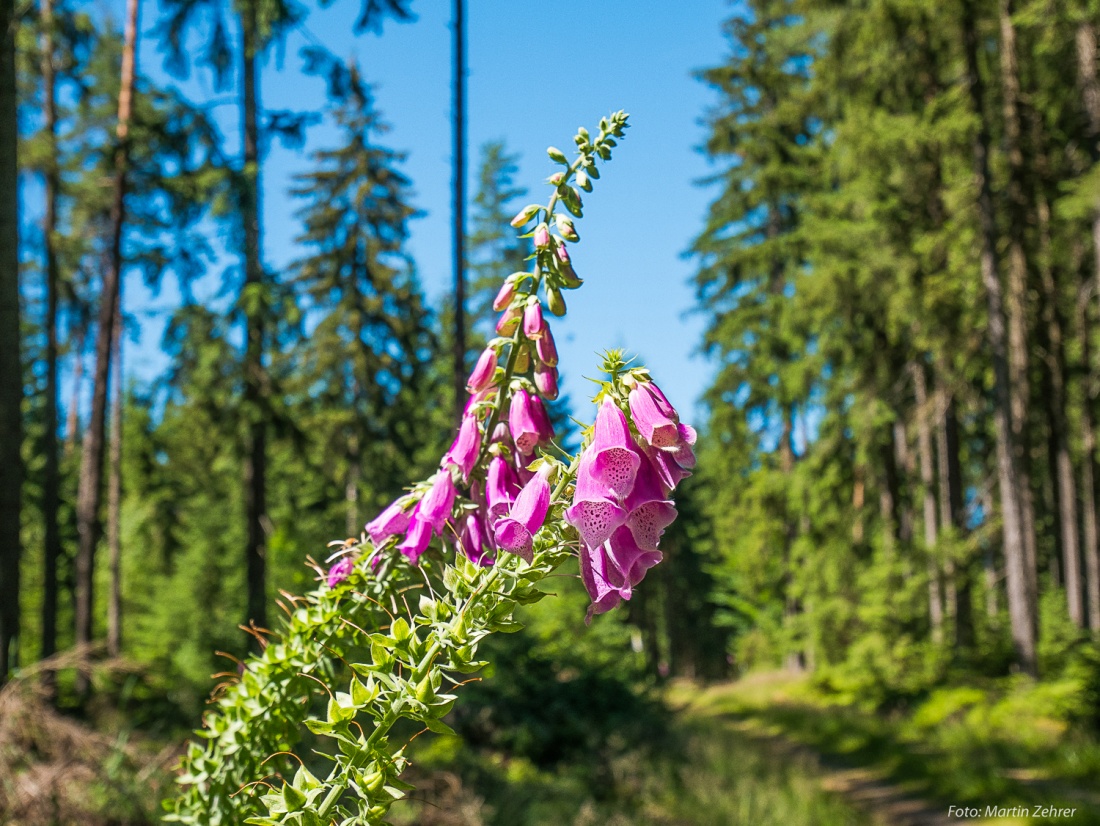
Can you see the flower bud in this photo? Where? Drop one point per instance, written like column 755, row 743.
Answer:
column 545, row 348
column 532, row 320
column 554, row 301
column 509, row 321
column 556, row 178
column 546, row 380
column 484, row 371
column 542, row 236
column 556, row 155
column 525, row 215
column 563, row 254
column 582, row 181
column 505, row 295
column 523, row 359
column 565, row 227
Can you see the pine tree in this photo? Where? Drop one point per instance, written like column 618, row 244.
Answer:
column 494, row 251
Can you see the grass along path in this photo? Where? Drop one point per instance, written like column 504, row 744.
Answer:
column 961, row 746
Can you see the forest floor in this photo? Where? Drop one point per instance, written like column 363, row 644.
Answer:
column 908, row 768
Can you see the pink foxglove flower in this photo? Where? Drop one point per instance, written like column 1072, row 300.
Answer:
column 595, row 511
column 417, row 539
column 649, row 511
column 542, row 236
column 484, row 371
column 501, row 488
column 545, row 348
column 654, row 416
column 515, row 532
column 505, row 295
column 463, row 453
column 435, row 507
column 611, row 571
column 390, row 522
column 507, row 323
column 340, row 571
column 533, row 325
column 546, row 380
column 528, row 421
column 474, row 541
column 615, row 457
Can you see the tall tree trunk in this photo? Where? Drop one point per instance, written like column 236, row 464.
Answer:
column 255, row 468
column 72, row 416
column 1085, row 40
column 91, row 460
column 1021, row 607
column 11, row 370
column 51, row 482
column 1090, row 473
column 927, row 477
column 114, row 498
column 459, row 206
column 952, row 516
column 1017, row 297
column 1055, row 381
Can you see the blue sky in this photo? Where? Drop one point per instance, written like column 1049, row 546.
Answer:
column 535, row 75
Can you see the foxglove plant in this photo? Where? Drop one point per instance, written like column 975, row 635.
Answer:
column 506, row 508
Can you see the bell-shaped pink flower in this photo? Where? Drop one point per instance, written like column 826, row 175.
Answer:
column 390, row 522
column 528, row 421
column 668, row 470
column 649, row 512
column 474, row 541
column 435, row 507
column 463, row 453
column 594, row 513
column 533, row 324
column 483, row 372
column 501, row 488
column 515, row 532
column 546, row 380
column 417, row 539
column 545, row 348
column 615, row 457
column 340, row 571
column 505, row 295
column 653, row 416
column 611, row 570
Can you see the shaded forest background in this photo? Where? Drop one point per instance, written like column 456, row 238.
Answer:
column 898, row 486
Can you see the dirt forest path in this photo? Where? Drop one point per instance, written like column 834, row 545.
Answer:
column 864, row 786
column 887, row 803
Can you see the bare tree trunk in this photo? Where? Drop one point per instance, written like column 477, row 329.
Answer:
column 1055, row 379
column 51, row 483
column 1021, row 607
column 1017, row 297
column 255, row 470
column 1085, row 39
column 1090, row 475
column 114, row 498
column 952, row 517
column 11, row 368
column 927, row 478
column 72, row 417
column 91, row 461
column 460, row 206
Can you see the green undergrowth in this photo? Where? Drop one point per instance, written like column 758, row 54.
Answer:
column 570, row 730
column 1008, row 742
